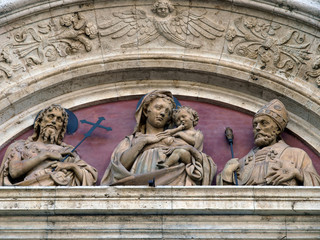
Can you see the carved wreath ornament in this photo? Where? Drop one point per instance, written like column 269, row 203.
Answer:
column 48, row 41
column 254, row 38
column 166, row 21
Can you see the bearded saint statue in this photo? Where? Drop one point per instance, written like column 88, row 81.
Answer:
column 272, row 161
column 37, row 160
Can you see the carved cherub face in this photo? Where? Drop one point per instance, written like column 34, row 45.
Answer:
column 265, row 131
column 159, row 112
column 186, row 116
column 162, row 8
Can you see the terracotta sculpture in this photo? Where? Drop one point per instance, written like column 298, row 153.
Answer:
column 135, row 159
column 272, row 161
column 186, row 119
column 36, row 161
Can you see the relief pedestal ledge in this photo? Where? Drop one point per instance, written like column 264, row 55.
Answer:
column 160, row 212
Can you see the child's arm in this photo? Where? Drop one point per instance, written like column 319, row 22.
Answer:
column 174, row 130
column 171, row 132
column 189, row 138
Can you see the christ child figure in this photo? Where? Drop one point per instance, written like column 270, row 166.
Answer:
column 185, row 134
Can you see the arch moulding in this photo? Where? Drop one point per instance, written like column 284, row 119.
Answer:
column 238, row 54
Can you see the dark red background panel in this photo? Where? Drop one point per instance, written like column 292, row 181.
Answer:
column 97, row 149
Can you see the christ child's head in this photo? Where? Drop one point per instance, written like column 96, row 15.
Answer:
column 185, row 116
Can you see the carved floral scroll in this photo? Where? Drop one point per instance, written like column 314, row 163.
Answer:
column 49, row 41
column 272, row 45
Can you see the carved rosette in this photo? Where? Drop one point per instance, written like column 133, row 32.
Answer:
column 272, row 45
column 47, row 42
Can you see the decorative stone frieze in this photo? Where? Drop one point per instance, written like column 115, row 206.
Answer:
column 268, row 42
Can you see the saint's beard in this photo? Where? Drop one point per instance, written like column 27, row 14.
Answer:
column 49, row 134
column 262, row 139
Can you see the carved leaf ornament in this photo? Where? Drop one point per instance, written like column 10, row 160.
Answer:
column 49, row 41
column 256, row 39
column 173, row 25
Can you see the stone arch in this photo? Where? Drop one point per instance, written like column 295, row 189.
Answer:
column 49, row 53
column 96, row 72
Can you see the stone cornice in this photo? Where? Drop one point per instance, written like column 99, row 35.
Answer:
column 160, row 200
column 256, row 213
column 302, row 10
column 306, row 11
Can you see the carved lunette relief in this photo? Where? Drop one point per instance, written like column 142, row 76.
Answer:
column 166, row 21
column 257, row 39
column 32, row 46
